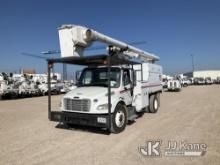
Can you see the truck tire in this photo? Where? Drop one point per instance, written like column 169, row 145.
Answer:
column 154, row 103
column 119, row 119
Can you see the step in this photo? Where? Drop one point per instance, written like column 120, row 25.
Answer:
column 132, row 117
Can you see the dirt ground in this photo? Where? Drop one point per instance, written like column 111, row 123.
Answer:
column 28, row 137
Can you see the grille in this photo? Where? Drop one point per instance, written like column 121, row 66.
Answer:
column 77, row 104
column 175, row 84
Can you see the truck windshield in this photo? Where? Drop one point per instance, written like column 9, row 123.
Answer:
column 99, row 77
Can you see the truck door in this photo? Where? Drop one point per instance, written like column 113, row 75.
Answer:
column 126, row 89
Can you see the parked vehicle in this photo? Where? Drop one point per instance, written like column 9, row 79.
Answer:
column 21, row 85
column 174, row 85
column 185, row 82
column 199, row 81
column 217, row 80
column 164, row 82
column 7, row 87
column 208, row 81
column 113, row 89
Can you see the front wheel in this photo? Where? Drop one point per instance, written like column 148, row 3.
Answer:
column 119, row 119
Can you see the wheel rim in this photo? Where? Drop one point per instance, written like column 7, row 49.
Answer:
column 119, row 119
column 155, row 104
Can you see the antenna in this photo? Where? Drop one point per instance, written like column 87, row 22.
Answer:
column 33, row 55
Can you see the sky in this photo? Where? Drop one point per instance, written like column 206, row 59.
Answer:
column 172, row 29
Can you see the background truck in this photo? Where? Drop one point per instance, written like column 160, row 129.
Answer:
column 208, row 81
column 199, row 81
column 113, row 89
column 174, row 85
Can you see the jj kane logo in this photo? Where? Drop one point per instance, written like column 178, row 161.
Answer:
column 152, row 148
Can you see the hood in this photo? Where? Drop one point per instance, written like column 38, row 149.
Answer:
column 87, row 92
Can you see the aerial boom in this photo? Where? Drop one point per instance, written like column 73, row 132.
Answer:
column 74, row 39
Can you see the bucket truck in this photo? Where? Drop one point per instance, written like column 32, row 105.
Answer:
column 113, row 88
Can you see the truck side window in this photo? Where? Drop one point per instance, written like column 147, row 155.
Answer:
column 126, row 77
column 87, row 78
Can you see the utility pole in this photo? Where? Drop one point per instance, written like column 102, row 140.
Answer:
column 193, row 67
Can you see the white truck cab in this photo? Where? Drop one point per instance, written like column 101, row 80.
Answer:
column 134, row 95
column 92, row 85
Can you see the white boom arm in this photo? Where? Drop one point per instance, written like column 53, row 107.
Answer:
column 74, row 39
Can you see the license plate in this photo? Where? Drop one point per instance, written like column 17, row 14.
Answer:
column 101, row 120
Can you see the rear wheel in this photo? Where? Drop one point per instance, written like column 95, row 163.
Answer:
column 119, row 119
column 154, row 103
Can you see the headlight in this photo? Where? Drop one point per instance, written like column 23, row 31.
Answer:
column 102, row 107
